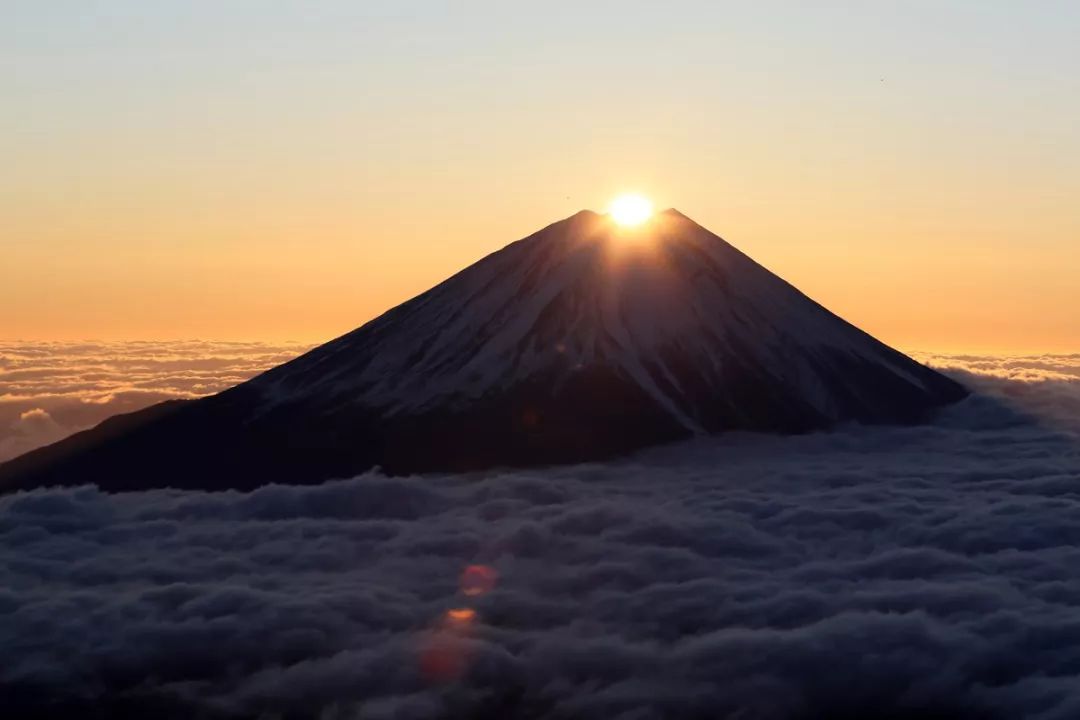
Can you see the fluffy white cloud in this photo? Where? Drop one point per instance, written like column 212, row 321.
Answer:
column 1046, row 387
column 887, row 572
column 78, row 385
column 31, row 429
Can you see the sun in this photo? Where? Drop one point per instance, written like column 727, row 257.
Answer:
column 630, row 210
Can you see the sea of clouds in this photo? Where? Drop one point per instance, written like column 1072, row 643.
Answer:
column 51, row 390
column 920, row 572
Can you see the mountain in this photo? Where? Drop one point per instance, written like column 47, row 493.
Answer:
column 579, row 342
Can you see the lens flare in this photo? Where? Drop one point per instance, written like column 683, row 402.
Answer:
column 477, row 580
column 460, row 616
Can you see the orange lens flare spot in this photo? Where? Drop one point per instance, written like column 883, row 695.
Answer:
column 460, row 615
column 477, row 580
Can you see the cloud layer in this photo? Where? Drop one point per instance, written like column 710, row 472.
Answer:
column 50, row 390
column 885, row 572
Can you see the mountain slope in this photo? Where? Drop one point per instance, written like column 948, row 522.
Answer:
column 579, row 342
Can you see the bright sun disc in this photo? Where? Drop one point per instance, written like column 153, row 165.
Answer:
column 630, row 210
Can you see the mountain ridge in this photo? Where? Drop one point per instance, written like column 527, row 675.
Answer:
column 580, row 341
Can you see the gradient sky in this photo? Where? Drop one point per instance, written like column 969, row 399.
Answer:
column 271, row 170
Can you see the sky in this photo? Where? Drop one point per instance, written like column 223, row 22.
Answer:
column 273, row 171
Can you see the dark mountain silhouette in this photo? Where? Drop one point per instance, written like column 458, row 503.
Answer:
column 580, row 342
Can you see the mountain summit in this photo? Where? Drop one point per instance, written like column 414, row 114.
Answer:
column 579, row 342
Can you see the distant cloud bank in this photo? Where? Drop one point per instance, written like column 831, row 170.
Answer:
column 1047, row 387
column 868, row 572
column 51, row 390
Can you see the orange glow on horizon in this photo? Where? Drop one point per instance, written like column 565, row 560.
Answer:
column 913, row 287
column 915, row 283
